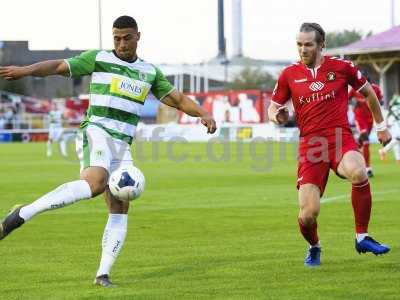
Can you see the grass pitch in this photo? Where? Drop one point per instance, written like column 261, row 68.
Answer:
column 216, row 227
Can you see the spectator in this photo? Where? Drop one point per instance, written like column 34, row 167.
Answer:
column 2, row 121
column 9, row 117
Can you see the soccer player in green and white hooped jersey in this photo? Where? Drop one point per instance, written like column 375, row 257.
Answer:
column 55, row 130
column 394, row 121
column 120, row 83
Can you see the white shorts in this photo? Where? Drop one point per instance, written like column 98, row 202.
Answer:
column 55, row 133
column 395, row 130
column 96, row 148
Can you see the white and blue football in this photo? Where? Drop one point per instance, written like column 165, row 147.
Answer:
column 127, row 183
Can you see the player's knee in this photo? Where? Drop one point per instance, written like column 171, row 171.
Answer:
column 358, row 174
column 97, row 187
column 308, row 218
column 97, row 180
column 309, row 215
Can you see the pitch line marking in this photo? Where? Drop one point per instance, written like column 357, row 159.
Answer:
column 348, row 196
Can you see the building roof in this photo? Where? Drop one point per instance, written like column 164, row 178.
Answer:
column 386, row 41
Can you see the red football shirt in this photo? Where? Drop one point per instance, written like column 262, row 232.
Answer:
column 319, row 95
column 361, row 109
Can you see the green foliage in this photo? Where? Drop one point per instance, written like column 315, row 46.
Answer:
column 252, row 78
column 202, row 230
column 342, row 38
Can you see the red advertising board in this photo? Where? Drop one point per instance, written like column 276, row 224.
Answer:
column 236, row 107
column 75, row 109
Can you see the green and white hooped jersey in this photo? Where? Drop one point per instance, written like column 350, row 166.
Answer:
column 118, row 90
column 55, row 118
column 394, row 108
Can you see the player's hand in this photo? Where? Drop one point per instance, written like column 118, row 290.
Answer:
column 282, row 115
column 384, row 137
column 13, row 72
column 209, row 122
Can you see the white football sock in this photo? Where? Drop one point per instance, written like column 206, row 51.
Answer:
column 361, row 236
column 389, row 146
column 318, row 245
column 396, row 150
column 113, row 240
column 65, row 194
column 49, row 149
column 63, row 147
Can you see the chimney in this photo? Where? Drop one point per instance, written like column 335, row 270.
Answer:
column 221, row 33
column 237, row 50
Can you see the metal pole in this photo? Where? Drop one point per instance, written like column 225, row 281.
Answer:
column 225, row 63
column 392, row 15
column 205, row 70
column 181, row 82
column 192, row 79
column 176, row 81
column 237, row 28
column 100, row 40
column 221, row 31
column 198, row 80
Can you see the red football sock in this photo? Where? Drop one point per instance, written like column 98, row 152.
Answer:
column 365, row 150
column 361, row 200
column 309, row 233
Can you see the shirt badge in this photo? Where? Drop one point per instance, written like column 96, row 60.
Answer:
column 142, row 76
column 331, row 76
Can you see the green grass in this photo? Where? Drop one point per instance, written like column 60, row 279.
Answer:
column 202, row 230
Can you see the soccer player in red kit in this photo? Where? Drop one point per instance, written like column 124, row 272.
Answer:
column 318, row 87
column 364, row 122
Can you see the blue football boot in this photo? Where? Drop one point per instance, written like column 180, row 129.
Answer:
column 368, row 244
column 313, row 258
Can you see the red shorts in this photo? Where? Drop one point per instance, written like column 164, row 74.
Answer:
column 364, row 125
column 318, row 154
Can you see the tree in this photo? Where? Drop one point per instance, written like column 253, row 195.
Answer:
column 341, row 38
column 252, row 78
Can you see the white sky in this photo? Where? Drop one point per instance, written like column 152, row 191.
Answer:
column 176, row 31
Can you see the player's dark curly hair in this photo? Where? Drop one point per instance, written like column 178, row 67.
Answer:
column 125, row 22
column 319, row 32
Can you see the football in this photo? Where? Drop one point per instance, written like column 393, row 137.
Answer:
column 126, row 183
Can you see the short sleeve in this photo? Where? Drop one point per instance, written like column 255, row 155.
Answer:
column 354, row 76
column 161, row 86
column 281, row 93
column 82, row 64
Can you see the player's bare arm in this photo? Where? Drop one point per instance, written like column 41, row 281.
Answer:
column 40, row 69
column 183, row 103
column 383, row 133
column 278, row 114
